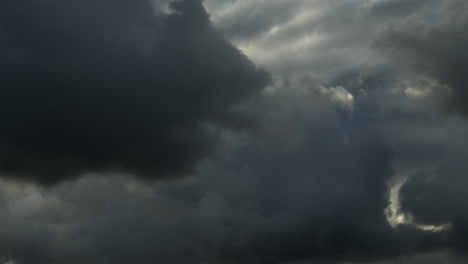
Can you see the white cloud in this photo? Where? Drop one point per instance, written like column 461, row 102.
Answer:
column 339, row 96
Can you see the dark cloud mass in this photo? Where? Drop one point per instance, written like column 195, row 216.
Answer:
column 430, row 48
column 351, row 149
column 439, row 198
column 316, row 192
column 111, row 85
column 435, row 49
column 323, row 199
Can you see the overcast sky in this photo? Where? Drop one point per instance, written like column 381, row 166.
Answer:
column 233, row 131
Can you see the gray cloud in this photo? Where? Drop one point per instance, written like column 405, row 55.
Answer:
column 306, row 170
column 318, row 196
column 438, row 198
column 433, row 46
column 321, row 38
column 110, row 86
column 429, row 48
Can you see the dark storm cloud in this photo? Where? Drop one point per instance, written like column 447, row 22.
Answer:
column 439, row 198
column 407, row 114
column 430, row 49
column 113, row 86
column 434, row 258
column 434, row 48
column 314, row 193
column 310, row 186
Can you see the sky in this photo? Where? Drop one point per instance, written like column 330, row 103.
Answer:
column 233, row 131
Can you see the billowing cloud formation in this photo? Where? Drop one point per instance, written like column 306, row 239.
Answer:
column 439, row 198
column 267, row 202
column 337, row 132
column 432, row 45
column 430, row 49
column 112, row 86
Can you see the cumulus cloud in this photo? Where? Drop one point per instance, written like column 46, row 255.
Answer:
column 113, row 86
column 432, row 45
column 323, row 199
column 340, row 155
column 438, row 198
